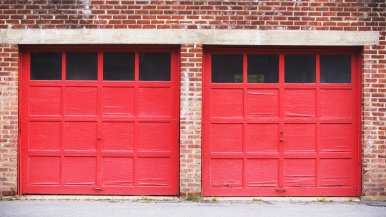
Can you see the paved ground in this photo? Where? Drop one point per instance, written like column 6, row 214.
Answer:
column 21, row 208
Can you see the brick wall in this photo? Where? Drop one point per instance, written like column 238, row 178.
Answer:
column 190, row 121
column 348, row 15
column 374, row 119
column 8, row 118
column 341, row 15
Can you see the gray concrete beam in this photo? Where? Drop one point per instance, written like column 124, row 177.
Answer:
column 206, row 37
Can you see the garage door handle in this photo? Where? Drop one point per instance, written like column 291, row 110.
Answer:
column 99, row 189
column 280, row 190
column 280, row 137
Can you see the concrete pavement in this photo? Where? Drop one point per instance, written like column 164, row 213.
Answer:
column 63, row 208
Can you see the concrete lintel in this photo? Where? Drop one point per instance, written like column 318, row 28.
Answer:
column 180, row 36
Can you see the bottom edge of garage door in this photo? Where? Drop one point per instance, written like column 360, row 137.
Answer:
column 333, row 192
column 102, row 191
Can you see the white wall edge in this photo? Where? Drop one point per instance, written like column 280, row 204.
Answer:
column 181, row 36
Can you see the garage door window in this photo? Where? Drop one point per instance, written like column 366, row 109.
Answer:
column 227, row 68
column 335, row 69
column 46, row 66
column 118, row 66
column 154, row 66
column 263, row 68
column 81, row 66
column 300, row 68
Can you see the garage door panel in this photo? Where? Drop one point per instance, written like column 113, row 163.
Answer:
column 227, row 103
column 295, row 136
column 299, row 173
column 79, row 170
column 226, row 173
column 153, row 101
column 299, row 103
column 117, row 136
column 107, row 126
column 118, row 101
column 262, row 103
column 336, row 103
column 44, row 100
column 80, row 100
column 154, row 171
column 117, row 171
column 80, row 135
column 44, row 171
column 153, row 136
column 44, row 135
column 299, row 137
column 262, row 173
column 267, row 131
column 336, row 137
column 336, row 172
column 227, row 138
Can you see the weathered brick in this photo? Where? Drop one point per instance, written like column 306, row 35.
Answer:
column 190, row 120
column 9, row 108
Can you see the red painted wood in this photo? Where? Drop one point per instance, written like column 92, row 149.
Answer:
column 281, row 139
column 99, row 137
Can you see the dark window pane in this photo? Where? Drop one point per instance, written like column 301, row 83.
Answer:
column 46, row 66
column 118, row 66
column 300, row 68
column 154, row 66
column 81, row 66
column 227, row 68
column 335, row 69
column 263, row 68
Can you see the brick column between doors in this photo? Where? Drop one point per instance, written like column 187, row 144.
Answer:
column 190, row 119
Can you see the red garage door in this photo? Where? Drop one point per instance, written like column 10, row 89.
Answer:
column 281, row 123
column 99, row 121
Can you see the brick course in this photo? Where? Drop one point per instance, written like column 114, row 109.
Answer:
column 341, row 15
